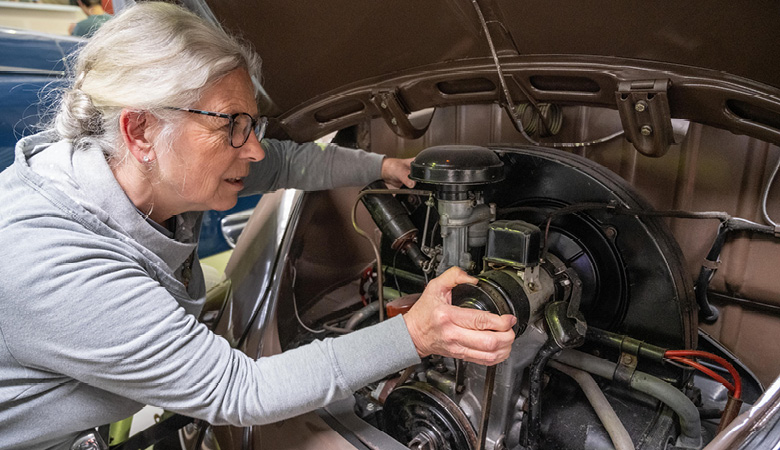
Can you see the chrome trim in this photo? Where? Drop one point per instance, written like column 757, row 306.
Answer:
column 232, row 225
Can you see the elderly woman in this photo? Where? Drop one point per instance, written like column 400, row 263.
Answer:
column 99, row 221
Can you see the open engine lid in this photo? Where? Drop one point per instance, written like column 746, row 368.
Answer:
column 323, row 60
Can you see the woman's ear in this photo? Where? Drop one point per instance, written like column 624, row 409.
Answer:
column 135, row 127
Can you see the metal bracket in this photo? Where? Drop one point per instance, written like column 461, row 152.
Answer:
column 395, row 114
column 625, row 368
column 566, row 332
column 644, row 111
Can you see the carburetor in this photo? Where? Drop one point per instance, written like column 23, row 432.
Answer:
column 458, row 173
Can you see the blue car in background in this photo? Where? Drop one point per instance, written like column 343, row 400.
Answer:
column 31, row 64
column 32, row 68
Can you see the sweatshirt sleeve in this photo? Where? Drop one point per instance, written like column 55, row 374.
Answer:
column 310, row 167
column 81, row 305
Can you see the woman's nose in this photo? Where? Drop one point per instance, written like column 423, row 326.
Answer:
column 252, row 150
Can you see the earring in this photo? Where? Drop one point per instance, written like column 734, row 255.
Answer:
column 146, row 158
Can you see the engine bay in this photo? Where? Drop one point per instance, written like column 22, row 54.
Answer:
column 607, row 337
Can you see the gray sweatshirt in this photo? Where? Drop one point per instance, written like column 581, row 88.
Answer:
column 94, row 323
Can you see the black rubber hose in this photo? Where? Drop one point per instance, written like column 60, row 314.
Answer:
column 707, row 312
column 533, row 432
column 626, row 344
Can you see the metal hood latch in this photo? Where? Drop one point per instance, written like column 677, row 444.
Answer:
column 644, row 112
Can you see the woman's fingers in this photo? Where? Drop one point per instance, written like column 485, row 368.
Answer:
column 483, row 357
column 437, row 327
column 480, row 346
column 395, row 172
column 481, row 320
column 443, row 284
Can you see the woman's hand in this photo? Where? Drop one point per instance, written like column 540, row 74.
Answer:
column 395, row 172
column 439, row 328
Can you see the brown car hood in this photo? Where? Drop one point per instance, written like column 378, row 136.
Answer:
column 325, row 62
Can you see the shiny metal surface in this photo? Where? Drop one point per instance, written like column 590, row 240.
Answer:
column 233, row 225
column 255, row 265
column 89, row 440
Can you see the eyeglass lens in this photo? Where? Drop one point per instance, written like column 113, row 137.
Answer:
column 243, row 125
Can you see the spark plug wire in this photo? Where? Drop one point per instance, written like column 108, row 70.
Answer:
column 706, row 370
column 684, row 357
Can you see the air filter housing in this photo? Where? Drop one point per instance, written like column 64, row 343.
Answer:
column 457, row 165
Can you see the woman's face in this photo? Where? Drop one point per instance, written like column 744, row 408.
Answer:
column 202, row 170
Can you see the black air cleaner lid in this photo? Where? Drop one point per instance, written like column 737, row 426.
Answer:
column 457, row 164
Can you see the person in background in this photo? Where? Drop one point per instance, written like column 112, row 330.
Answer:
column 100, row 218
column 96, row 17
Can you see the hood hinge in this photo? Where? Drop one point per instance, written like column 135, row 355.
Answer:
column 644, row 111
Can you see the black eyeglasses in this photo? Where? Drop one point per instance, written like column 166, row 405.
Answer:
column 241, row 124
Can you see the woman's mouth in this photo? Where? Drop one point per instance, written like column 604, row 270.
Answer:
column 237, row 182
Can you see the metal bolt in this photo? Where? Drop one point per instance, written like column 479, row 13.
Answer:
column 646, row 130
column 370, row 407
column 628, row 359
column 394, row 121
column 640, row 106
column 383, row 105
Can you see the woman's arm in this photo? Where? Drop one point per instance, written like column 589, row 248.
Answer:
column 83, row 306
column 314, row 166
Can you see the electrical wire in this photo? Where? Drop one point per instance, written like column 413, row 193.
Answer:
column 706, row 370
column 395, row 271
column 707, row 355
column 728, row 222
column 380, row 276
column 510, row 104
column 295, row 304
column 765, row 195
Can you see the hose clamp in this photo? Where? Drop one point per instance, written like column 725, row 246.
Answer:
column 712, row 265
column 625, row 368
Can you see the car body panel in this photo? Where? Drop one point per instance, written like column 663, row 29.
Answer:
column 252, row 305
column 400, row 47
column 403, row 35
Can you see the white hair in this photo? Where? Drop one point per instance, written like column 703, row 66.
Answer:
column 151, row 56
